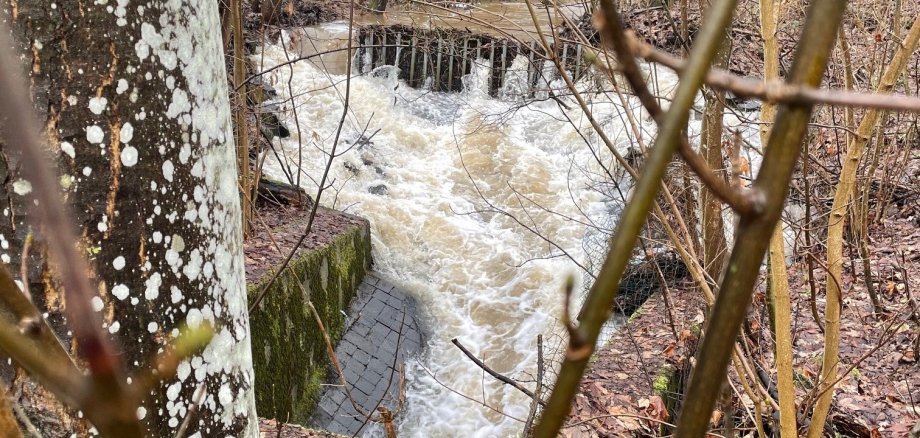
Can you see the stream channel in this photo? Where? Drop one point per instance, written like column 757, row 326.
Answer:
column 460, row 190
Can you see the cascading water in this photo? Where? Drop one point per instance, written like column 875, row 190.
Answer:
column 449, row 163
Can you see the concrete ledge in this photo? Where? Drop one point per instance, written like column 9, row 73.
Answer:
column 289, row 353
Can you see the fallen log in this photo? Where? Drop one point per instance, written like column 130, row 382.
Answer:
column 276, row 192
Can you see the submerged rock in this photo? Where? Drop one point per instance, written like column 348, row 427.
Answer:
column 270, row 124
column 379, row 189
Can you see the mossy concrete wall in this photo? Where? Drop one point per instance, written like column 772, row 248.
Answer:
column 288, row 349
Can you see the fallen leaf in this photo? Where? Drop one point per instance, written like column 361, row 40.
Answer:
column 656, row 409
column 669, row 350
column 643, row 403
column 715, row 418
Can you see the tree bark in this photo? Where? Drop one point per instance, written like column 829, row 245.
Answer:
column 779, row 279
column 714, row 244
column 135, row 108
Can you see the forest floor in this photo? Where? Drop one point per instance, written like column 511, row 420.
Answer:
column 878, row 395
column 274, row 429
column 879, row 389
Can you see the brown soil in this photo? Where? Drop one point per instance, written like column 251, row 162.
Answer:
column 274, row 429
column 619, row 387
column 283, row 226
column 880, row 394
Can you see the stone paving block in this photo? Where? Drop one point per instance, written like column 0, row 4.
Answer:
column 379, row 334
column 393, row 319
column 352, row 373
column 358, row 395
column 367, row 352
column 374, row 307
column 335, row 394
column 324, row 414
column 380, row 329
column 345, row 348
column 395, row 301
column 342, row 426
column 361, row 356
column 360, row 329
column 389, row 343
column 365, row 385
column 383, row 385
column 351, row 422
column 355, row 368
column 376, row 373
column 364, row 343
column 411, row 345
column 365, row 290
column 336, row 427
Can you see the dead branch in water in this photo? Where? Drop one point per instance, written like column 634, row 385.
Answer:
column 498, row 376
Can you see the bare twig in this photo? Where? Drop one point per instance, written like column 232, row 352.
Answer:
column 776, row 91
column 753, row 233
column 534, row 403
column 483, row 403
column 498, row 376
column 192, row 411
column 24, row 265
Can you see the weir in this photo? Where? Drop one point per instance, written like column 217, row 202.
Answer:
column 438, row 59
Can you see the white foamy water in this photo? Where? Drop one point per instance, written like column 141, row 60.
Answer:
column 478, row 275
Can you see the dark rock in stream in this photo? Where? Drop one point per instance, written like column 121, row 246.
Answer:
column 268, row 91
column 379, row 190
column 270, row 125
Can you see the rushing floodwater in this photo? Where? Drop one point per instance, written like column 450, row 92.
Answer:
column 437, row 162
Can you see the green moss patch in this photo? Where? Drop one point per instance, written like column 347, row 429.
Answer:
column 288, row 350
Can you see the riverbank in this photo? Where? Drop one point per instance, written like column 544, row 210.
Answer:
column 373, row 325
column 298, row 305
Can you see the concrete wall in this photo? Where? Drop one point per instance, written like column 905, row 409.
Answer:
column 289, row 353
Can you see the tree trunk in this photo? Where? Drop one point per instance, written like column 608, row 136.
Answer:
column 135, row 108
column 714, row 245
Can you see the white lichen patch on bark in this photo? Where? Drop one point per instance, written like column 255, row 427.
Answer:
column 140, row 105
column 181, row 39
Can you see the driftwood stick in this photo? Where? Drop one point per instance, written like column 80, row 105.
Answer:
column 538, row 391
column 493, row 373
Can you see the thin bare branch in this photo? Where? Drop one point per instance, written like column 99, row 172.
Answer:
column 777, row 91
column 753, row 233
column 599, row 302
column 498, row 376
